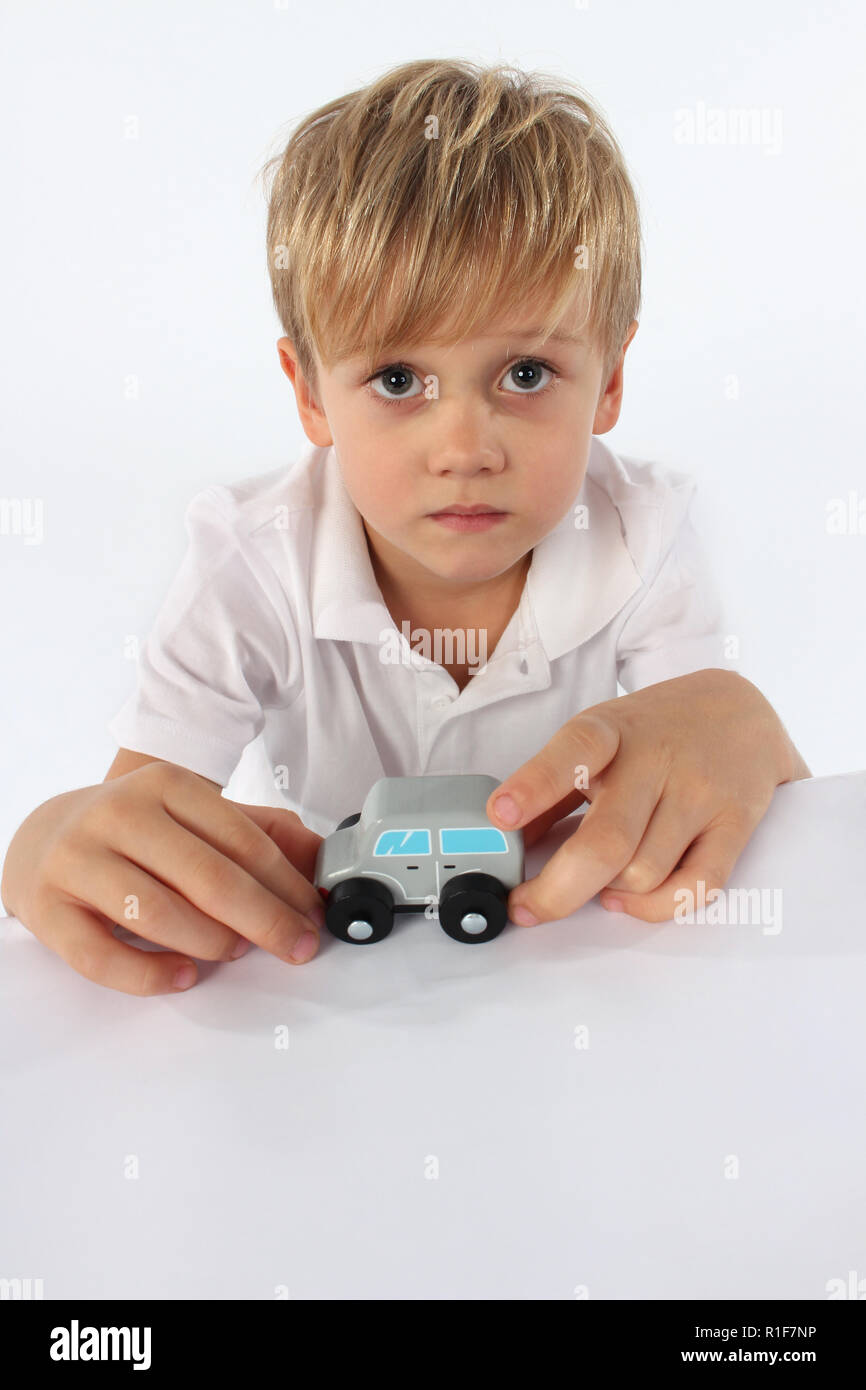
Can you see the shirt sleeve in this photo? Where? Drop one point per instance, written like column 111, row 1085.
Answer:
column 678, row 624
column 216, row 655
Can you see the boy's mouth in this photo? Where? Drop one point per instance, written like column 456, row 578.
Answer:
column 461, row 509
column 478, row 517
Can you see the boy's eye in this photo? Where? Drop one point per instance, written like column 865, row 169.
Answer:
column 396, row 379
column 525, row 374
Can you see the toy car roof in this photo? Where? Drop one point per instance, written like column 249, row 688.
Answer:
column 420, row 799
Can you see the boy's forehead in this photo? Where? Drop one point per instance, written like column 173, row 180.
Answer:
column 519, row 327
column 518, row 331
column 526, row 326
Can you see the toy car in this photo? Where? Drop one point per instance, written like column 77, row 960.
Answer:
column 420, row 841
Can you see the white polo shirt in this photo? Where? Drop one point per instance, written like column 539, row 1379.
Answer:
column 274, row 638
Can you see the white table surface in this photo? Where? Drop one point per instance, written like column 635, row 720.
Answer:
column 432, row 1131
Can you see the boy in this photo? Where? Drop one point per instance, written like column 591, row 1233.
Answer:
column 452, row 579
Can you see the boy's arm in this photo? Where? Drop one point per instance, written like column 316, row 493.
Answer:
column 128, row 761
column 221, row 650
column 678, row 624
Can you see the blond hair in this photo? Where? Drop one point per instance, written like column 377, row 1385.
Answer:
column 378, row 234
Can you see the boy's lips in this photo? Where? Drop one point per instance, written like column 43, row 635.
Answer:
column 473, row 509
column 478, row 518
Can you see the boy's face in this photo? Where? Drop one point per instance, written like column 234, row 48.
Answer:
column 508, row 423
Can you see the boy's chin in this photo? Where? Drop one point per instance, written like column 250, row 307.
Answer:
column 467, row 568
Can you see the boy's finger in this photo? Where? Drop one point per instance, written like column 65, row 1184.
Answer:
column 576, row 753
column 298, row 843
column 226, row 868
column 600, row 847
column 541, row 824
column 218, row 822
column 119, row 891
column 91, row 950
column 674, row 825
column 706, row 867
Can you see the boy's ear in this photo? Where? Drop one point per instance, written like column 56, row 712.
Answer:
column 312, row 416
column 610, row 400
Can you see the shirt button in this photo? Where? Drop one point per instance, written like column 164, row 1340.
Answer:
column 441, row 701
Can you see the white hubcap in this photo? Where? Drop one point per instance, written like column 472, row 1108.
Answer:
column 359, row 930
column 473, row 923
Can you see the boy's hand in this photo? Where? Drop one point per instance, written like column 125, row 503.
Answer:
column 678, row 775
column 161, row 851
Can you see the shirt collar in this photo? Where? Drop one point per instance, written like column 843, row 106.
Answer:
column 581, row 573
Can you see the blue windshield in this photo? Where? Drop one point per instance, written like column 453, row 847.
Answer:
column 403, row 842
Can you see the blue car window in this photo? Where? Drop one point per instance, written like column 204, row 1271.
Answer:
column 477, row 839
column 404, row 842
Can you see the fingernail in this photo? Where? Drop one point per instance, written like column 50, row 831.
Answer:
column 523, row 917
column 242, row 946
column 305, row 949
column 613, row 905
column 185, row 976
column 507, row 809
column 316, row 915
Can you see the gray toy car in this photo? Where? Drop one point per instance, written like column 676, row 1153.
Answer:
column 420, row 841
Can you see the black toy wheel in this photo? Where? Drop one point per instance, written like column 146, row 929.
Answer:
column 473, row 907
column 359, row 910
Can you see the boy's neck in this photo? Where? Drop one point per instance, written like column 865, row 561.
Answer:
column 483, row 608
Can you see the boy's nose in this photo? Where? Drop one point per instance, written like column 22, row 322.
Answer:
column 465, row 457
column 463, row 437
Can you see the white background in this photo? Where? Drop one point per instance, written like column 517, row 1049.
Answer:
column 144, row 258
